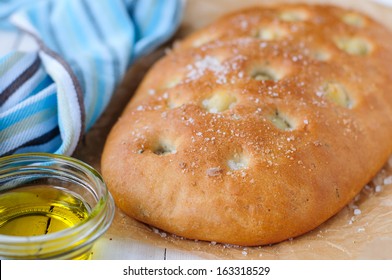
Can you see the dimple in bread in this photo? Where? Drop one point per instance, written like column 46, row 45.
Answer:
column 257, row 128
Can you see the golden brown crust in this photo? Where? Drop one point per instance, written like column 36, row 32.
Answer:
column 258, row 127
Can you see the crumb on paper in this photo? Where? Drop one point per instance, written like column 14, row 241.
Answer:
column 357, row 212
column 388, row 180
column 361, row 229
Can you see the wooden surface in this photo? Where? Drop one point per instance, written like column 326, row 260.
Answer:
column 116, row 243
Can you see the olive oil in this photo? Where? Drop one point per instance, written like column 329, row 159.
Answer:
column 40, row 210
column 51, row 207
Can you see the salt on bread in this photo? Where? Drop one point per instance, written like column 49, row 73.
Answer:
column 257, row 128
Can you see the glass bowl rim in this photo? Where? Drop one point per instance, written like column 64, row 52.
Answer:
column 104, row 211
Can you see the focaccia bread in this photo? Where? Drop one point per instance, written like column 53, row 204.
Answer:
column 257, row 128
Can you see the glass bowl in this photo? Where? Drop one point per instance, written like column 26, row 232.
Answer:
column 51, row 207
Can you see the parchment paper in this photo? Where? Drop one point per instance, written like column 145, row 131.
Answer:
column 362, row 230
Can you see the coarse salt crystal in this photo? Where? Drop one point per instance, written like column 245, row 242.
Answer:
column 244, row 253
column 378, row 189
column 361, row 229
column 214, row 171
column 388, row 180
column 263, row 45
column 357, row 212
column 208, row 63
column 236, row 165
column 319, row 93
column 244, row 24
column 294, row 28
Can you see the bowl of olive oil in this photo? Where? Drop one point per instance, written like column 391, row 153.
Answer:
column 51, row 207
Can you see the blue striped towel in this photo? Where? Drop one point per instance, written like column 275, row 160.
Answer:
column 51, row 97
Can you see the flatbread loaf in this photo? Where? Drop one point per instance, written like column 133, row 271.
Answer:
column 257, row 128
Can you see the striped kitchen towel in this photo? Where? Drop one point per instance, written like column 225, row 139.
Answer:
column 49, row 98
